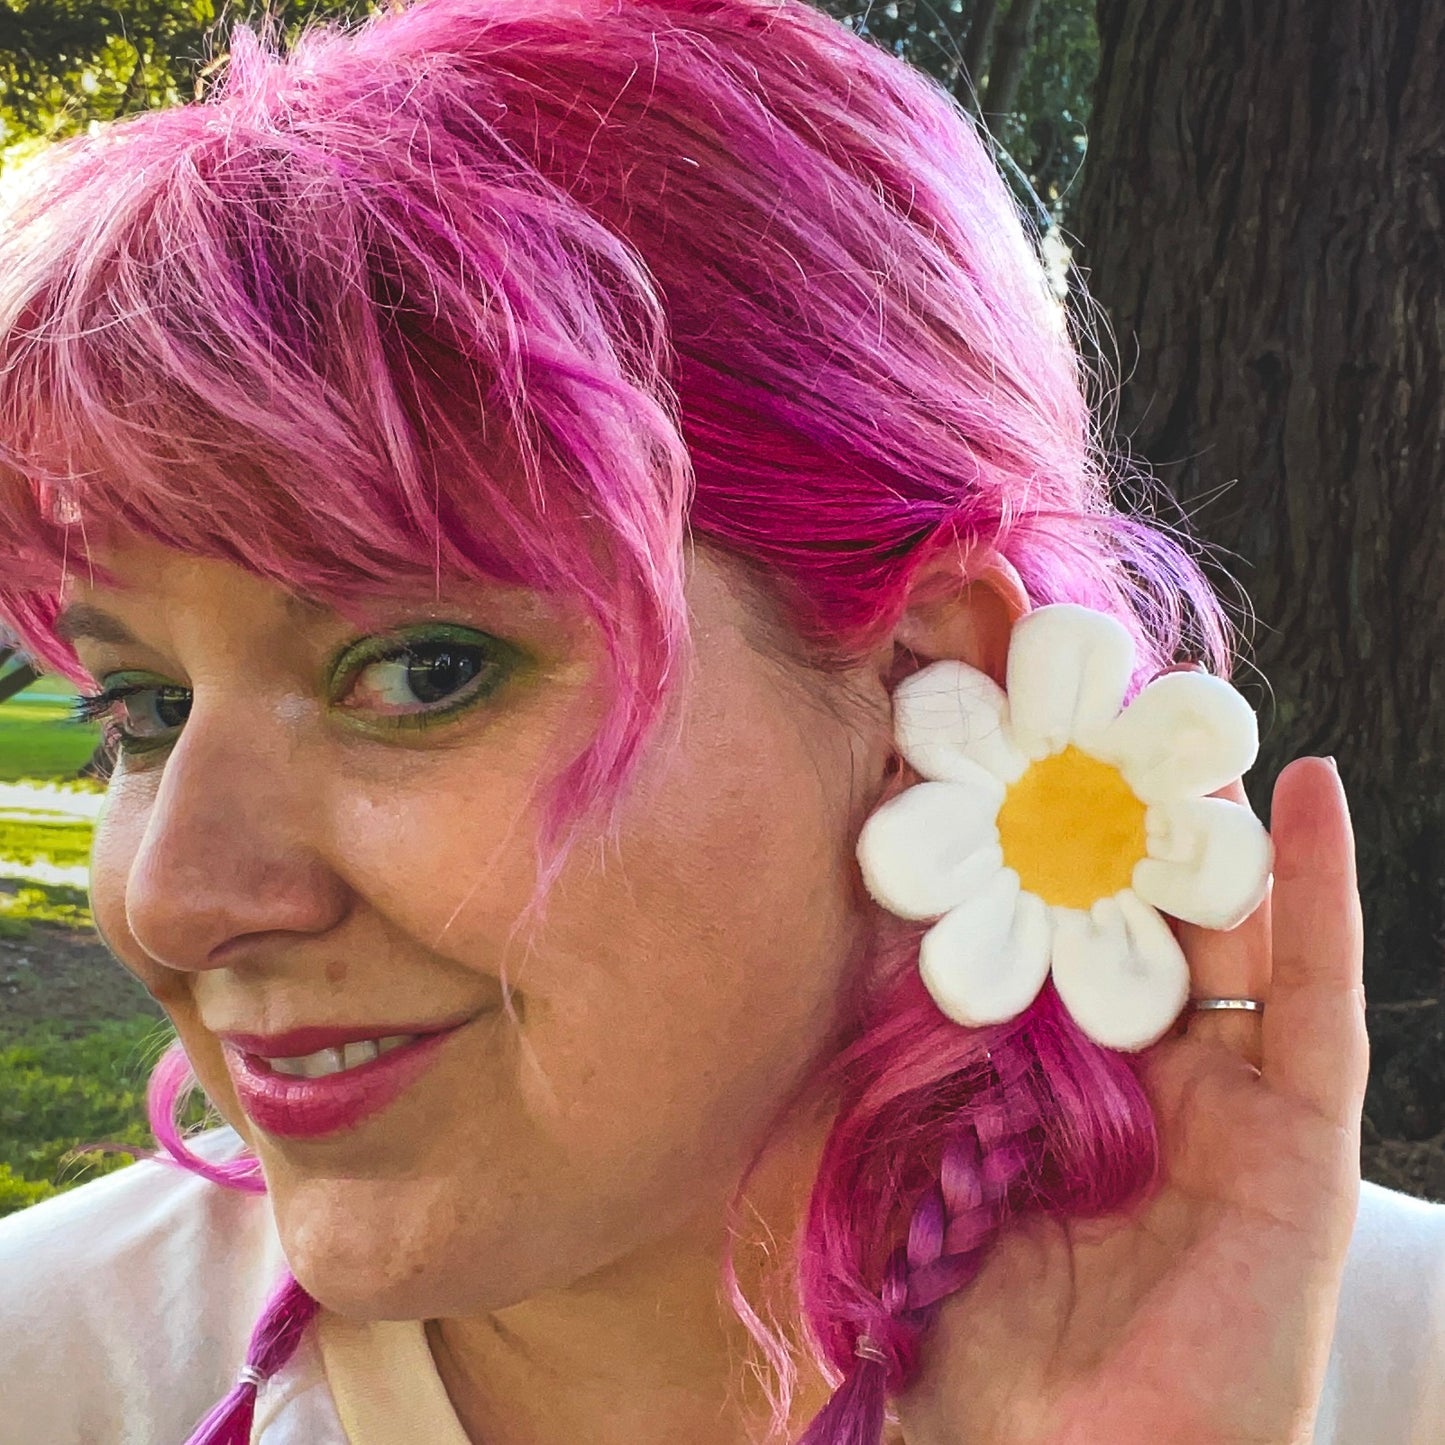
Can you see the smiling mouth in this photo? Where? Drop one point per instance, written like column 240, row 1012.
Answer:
column 337, row 1098
column 338, row 1060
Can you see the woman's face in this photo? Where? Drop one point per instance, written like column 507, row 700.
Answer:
column 298, row 851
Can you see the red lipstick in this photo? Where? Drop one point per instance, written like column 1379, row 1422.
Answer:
column 296, row 1043
column 297, row 1108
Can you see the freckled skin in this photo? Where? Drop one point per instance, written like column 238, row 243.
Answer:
column 272, row 868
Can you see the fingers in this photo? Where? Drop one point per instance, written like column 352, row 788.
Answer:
column 1313, row 1031
column 1230, row 963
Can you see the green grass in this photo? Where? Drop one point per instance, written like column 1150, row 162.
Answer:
column 64, row 843
column 37, row 743
column 37, row 740
column 57, row 1093
column 33, row 903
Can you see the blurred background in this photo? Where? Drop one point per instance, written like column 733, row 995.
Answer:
column 1253, row 193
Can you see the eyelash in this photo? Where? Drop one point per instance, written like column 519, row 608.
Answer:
column 100, row 706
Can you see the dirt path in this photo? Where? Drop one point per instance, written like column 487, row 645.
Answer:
column 67, row 977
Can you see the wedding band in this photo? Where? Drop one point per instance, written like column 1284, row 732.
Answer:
column 1248, row 1005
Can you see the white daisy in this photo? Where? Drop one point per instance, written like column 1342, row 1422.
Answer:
column 1054, row 828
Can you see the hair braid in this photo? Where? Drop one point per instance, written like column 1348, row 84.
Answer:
column 1031, row 1118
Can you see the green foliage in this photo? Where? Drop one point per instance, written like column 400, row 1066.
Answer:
column 59, row 1092
column 65, row 844
column 1040, row 141
column 66, row 63
column 1047, row 131
column 17, row 1193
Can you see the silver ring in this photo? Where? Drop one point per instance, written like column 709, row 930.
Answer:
column 1247, row 1005
column 250, row 1375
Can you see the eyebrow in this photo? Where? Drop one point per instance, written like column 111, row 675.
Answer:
column 83, row 620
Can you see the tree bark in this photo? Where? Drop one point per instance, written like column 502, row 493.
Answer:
column 1010, row 55
column 1262, row 211
column 977, row 47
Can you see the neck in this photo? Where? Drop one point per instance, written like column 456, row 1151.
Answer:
column 647, row 1349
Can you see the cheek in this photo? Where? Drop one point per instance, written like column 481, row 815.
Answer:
column 686, row 986
column 118, row 835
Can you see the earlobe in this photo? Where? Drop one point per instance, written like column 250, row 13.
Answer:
column 964, row 614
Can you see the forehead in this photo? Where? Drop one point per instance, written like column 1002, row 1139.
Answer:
column 142, row 587
column 136, row 575
column 85, row 621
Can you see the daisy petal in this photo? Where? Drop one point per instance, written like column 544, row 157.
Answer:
column 932, row 846
column 986, row 961
column 1119, row 971
column 950, row 714
column 1068, row 670
column 1184, row 735
column 1208, row 863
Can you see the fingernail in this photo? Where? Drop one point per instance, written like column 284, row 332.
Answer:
column 1331, row 761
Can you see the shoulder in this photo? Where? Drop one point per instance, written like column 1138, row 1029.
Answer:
column 1386, row 1380
column 138, row 1291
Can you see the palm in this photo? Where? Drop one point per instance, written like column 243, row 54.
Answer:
column 1203, row 1317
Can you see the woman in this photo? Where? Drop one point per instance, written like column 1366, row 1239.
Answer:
column 502, row 475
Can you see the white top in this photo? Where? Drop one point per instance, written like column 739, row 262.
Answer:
column 126, row 1306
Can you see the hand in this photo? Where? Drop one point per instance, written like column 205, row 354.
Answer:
column 1205, row 1317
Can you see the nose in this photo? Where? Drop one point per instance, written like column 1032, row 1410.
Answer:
column 233, row 846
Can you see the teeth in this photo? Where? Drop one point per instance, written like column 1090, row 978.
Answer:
column 312, row 1066
column 336, row 1061
column 358, row 1053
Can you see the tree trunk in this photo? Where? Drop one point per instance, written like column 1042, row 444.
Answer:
column 1010, row 55
column 1262, row 211
column 16, row 680
column 976, row 49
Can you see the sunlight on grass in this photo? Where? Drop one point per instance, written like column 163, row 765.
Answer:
column 66, row 844
column 33, row 903
column 44, row 839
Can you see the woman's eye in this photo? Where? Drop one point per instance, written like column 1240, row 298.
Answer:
column 406, row 684
column 135, row 716
column 420, row 676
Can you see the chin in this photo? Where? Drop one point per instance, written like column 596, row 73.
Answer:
column 369, row 1290
column 393, row 1253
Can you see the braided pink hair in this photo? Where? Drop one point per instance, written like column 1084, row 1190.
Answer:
column 944, row 1136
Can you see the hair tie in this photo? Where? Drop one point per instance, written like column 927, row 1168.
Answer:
column 250, row 1375
column 865, row 1349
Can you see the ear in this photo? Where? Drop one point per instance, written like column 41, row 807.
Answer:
column 963, row 608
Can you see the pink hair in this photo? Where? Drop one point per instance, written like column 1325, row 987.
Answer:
column 528, row 292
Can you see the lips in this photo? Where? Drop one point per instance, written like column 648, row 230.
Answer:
column 303, row 1108
column 298, row 1042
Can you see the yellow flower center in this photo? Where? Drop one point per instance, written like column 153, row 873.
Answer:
column 1072, row 829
